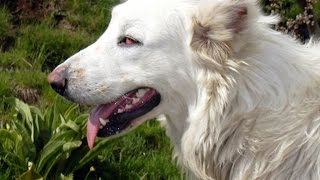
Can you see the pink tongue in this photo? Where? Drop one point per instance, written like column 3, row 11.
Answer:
column 93, row 125
column 102, row 111
column 105, row 111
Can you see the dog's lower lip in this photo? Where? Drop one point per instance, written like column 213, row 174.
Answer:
column 112, row 118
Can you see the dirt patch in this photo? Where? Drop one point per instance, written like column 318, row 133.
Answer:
column 26, row 11
column 27, row 95
column 32, row 9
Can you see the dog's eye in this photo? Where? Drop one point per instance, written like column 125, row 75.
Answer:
column 128, row 41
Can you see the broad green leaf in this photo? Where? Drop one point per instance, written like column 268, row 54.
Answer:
column 81, row 119
column 30, row 117
column 49, row 151
column 31, row 174
column 55, row 115
column 51, row 163
column 70, row 111
column 94, row 152
column 9, row 135
column 54, row 146
column 25, row 147
column 48, row 116
column 72, row 125
column 66, row 135
column 68, row 177
column 62, row 119
column 37, row 121
column 76, row 155
column 24, row 109
column 37, row 111
column 71, row 145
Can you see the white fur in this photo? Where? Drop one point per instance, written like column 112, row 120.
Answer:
column 247, row 108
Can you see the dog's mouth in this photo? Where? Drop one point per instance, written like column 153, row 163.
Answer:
column 117, row 116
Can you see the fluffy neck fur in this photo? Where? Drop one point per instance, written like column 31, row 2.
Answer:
column 257, row 117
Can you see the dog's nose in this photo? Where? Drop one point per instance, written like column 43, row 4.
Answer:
column 57, row 79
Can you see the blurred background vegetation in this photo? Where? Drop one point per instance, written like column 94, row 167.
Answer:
column 43, row 135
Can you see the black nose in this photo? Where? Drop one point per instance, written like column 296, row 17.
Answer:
column 57, row 80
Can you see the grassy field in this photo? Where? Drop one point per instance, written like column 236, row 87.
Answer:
column 33, row 40
column 43, row 135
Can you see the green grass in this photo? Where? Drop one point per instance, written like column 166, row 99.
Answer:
column 4, row 22
column 142, row 154
column 46, row 46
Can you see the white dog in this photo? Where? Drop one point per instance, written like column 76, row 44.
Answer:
column 241, row 100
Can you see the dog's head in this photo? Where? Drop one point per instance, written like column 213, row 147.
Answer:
column 146, row 63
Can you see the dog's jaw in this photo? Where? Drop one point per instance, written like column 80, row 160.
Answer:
column 116, row 117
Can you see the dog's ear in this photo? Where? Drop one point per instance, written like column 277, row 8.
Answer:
column 217, row 26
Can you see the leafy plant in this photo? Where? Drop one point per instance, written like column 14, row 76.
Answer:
column 51, row 142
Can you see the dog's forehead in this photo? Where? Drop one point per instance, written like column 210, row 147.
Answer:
column 150, row 14
column 142, row 15
column 143, row 8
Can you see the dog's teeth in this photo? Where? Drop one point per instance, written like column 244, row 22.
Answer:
column 135, row 100
column 128, row 106
column 101, row 127
column 120, row 110
column 141, row 93
column 103, row 122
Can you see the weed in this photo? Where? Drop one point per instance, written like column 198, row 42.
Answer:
column 52, row 143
